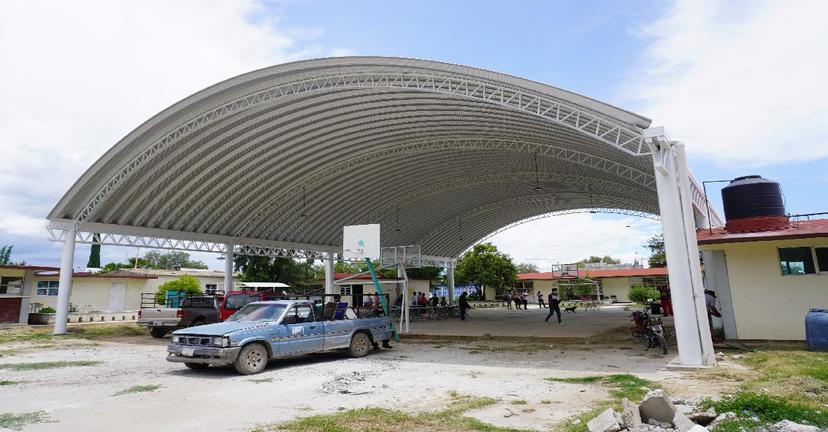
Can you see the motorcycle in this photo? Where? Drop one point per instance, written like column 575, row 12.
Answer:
column 649, row 331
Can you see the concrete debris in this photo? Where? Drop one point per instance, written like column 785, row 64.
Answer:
column 656, row 405
column 720, row 418
column 630, row 414
column 683, row 408
column 650, row 428
column 698, row 428
column 682, row 423
column 789, row 426
column 605, row 422
column 703, row 417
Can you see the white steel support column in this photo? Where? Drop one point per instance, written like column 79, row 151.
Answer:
column 329, row 273
column 450, row 283
column 228, row 268
column 406, row 306
column 687, row 292
column 67, row 262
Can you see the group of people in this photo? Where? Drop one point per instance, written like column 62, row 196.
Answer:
column 522, row 299
column 420, row 299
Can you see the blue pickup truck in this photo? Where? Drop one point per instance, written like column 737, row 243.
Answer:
column 264, row 330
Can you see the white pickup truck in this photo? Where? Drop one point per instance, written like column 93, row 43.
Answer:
column 191, row 311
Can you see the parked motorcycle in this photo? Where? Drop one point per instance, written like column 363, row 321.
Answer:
column 649, row 331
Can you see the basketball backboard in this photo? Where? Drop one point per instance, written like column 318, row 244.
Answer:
column 360, row 242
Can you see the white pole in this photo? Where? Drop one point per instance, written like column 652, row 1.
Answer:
column 329, row 273
column 692, row 248
column 450, row 282
column 67, row 262
column 405, row 309
column 228, row 268
column 690, row 325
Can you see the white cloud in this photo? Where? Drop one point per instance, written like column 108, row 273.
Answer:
column 738, row 81
column 79, row 75
column 570, row 238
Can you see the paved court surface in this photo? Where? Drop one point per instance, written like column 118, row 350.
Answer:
column 530, row 323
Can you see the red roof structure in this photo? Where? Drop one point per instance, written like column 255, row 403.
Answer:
column 630, row 272
column 796, row 230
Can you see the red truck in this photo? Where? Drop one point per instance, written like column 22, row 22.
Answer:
column 235, row 300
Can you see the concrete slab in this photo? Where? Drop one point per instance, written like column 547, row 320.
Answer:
column 528, row 323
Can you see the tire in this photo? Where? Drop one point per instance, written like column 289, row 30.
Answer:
column 252, row 359
column 197, row 322
column 360, row 345
column 196, row 366
column 158, row 332
column 662, row 342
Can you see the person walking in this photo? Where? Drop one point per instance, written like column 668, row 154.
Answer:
column 554, row 306
column 464, row 305
column 541, row 304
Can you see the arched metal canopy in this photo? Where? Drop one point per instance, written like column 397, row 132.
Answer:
column 281, row 158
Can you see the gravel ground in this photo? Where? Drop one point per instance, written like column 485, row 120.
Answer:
column 414, row 377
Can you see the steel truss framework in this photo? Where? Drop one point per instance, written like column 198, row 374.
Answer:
column 277, row 160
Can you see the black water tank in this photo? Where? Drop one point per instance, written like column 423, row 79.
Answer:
column 752, row 196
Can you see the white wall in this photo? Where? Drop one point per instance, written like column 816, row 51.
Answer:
column 768, row 305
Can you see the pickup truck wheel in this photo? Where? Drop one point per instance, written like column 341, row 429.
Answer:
column 158, row 332
column 252, row 359
column 360, row 345
column 196, row 366
column 197, row 322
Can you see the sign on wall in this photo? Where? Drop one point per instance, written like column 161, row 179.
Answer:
column 360, row 242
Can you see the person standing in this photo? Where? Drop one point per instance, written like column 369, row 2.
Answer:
column 464, row 305
column 508, row 298
column 554, row 306
column 541, row 304
column 524, row 298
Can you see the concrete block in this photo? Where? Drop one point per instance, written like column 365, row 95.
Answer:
column 698, row 428
column 789, row 426
column 656, row 405
column 605, row 422
column 630, row 414
column 682, row 423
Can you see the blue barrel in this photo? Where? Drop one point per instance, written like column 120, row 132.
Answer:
column 816, row 330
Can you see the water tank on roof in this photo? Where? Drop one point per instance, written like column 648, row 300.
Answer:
column 752, row 196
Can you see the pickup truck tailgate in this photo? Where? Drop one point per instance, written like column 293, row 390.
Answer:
column 157, row 317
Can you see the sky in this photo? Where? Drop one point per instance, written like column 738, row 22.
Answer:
column 741, row 83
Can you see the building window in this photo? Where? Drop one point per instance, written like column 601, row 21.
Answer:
column 210, row 289
column 822, row 259
column 795, row 261
column 345, row 290
column 11, row 285
column 47, row 288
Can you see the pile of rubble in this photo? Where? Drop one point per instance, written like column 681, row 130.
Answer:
column 658, row 413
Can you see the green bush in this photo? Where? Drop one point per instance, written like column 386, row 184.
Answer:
column 46, row 309
column 640, row 294
column 187, row 284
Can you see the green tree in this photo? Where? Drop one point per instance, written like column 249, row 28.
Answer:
column 606, row 259
column 640, row 294
column 484, row 265
column 95, row 252
column 527, row 268
column 658, row 258
column 184, row 283
column 298, row 274
column 5, row 255
column 171, row 260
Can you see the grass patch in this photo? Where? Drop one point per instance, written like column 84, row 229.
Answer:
column 17, row 421
column 384, row 420
column 620, row 385
column 261, row 380
column 766, row 408
column 139, row 389
column 48, row 365
column 90, row 332
column 7, row 382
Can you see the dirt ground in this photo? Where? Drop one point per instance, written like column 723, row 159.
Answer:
column 415, row 376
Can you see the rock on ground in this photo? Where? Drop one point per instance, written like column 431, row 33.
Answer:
column 605, row 422
column 720, row 418
column 630, row 414
column 682, row 423
column 789, row 426
column 698, row 428
column 656, row 405
column 703, row 417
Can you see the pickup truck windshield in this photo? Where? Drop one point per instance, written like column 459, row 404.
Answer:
column 236, row 301
column 258, row 312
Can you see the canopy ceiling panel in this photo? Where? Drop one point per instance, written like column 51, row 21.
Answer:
column 441, row 155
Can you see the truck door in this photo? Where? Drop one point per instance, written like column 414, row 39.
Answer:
column 304, row 330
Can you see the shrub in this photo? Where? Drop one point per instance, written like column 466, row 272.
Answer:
column 46, row 309
column 186, row 284
column 640, row 294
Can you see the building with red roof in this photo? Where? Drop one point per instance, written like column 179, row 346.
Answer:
column 614, row 283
